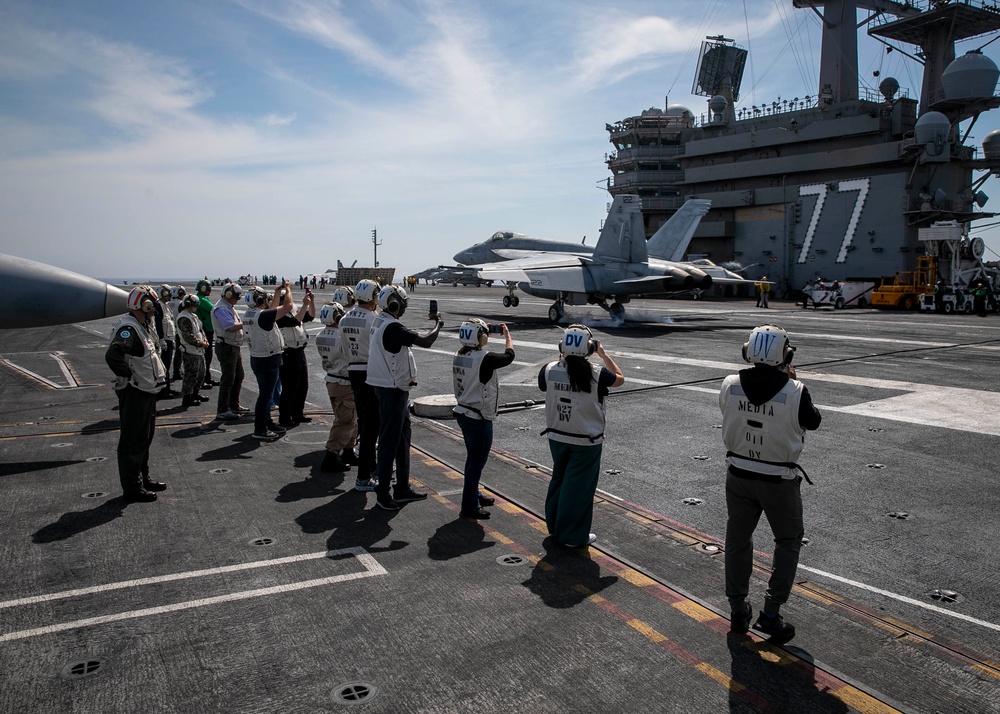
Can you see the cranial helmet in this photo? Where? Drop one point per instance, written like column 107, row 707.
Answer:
column 178, row 292
column 365, row 291
column 256, row 296
column 189, row 301
column 165, row 292
column 344, row 295
column 232, row 290
column 392, row 299
column 768, row 344
column 330, row 313
column 577, row 341
column 204, row 287
column 473, row 332
column 141, row 298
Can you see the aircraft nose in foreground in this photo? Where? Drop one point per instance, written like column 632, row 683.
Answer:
column 465, row 257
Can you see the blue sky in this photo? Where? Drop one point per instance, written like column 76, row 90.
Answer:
column 181, row 138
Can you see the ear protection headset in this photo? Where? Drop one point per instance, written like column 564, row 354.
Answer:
column 392, row 299
column 768, row 344
column 577, row 341
column 178, row 292
column 142, row 299
column 204, row 287
column 344, row 295
column 330, row 313
column 189, row 301
column 232, row 290
column 473, row 332
column 256, row 296
column 165, row 292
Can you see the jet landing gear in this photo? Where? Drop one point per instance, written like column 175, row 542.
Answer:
column 556, row 312
column 510, row 299
column 616, row 311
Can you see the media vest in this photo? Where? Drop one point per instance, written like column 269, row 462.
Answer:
column 294, row 337
column 572, row 417
column 386, row 369
column 356, row 327
column 755, row 434
column 196, row 328
column 261, row 343
column 475, row 399
column 169, row 328
column 234, row 338
column 333, row 357
column 148, row 373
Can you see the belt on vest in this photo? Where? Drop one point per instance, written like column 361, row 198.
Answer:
column 786, row 464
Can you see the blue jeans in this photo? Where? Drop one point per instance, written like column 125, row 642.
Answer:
column 393, row 439
column 478, row 435
column 267, row 377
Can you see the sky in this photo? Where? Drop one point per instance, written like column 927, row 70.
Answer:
column 187, row 138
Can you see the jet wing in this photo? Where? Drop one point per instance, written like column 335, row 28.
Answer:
column 549, row 271
column 517, row 254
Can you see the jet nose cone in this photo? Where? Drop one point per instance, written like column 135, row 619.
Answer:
column 463, row 257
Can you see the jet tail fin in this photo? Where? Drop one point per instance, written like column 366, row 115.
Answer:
column 623, row 238
column 671, row 241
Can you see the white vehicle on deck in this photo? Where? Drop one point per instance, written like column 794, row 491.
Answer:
column 838, row 294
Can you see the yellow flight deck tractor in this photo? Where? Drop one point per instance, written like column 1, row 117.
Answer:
column 904, row 290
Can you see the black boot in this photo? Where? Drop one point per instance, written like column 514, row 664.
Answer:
column 348, row 457
column 332, row 463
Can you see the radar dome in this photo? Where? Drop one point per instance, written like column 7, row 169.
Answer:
column 888, row 86
column 678, row 110
column 973, row 75
column 718, row 104
column 932, row 128
column 991, row 145
column 652, row 112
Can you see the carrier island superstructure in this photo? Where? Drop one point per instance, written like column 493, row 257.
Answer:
column 837, row 184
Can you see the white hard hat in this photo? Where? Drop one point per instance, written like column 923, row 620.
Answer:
column 392, row 299
column 577, row 341
column 344, row 295
column 365, row 291
column 330, row 313
column 141, row 298
column 768, row 344
column 473, row 332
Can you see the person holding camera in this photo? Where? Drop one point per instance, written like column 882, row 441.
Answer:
column 575, row 390
column 765, row 415
column 294, row 372
column 266, row 345
column 474, row 378
column 392, row 371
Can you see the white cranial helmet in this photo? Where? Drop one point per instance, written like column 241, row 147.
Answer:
column 392, row 299
column 330, row 313
column 365, row 291
column 344, row 295
column 256, row 296
column 473, row 332
column 577, row 341
column 768, row 344
column 141, row 299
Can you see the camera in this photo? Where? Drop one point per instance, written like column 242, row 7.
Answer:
column 496, row 328
column 432, row 312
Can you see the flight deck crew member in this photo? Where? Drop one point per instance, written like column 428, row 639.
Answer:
column 355, row 327
column 166, row 330
column 177, row 294
column 574, row 423
column 228, row 337
column 765, row 415
column 344, row 429
column 265, row 345
column 134, row 357
column 474, row 378
column 205, row 305
column 193, row 341
column 294, row 371
column 392, row 371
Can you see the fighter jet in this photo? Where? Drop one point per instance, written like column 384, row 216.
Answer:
column 619, row 268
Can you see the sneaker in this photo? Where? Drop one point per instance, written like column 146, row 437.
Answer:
column 775, row 626
column 409, row 495
column 277, row 429
column 590, row 539
column 227, row 416
column 385, row 502
column 740, row 621
column 241, row 409
column 265, row 435
column 364, row 484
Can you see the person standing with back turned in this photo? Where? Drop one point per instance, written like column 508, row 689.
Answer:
column 355, row 328
column 574, row 423
column 765, row 415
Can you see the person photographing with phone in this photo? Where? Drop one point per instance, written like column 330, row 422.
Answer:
column 575, row 390
column 474, row 378
column 766, row 412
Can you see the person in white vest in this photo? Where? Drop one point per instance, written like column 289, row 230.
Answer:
column 392, row 371
column 344, row 431
column 134, row 357
column 266, row 345
column 228, row 338
column 765, row 415
column 166, row 330
column 477, row 391
column 575, row 390
column 355, row 327
column 177, row 293
column 193, row 343
column 294, row 372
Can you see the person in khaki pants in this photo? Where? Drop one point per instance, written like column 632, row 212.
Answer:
column 344, row 430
